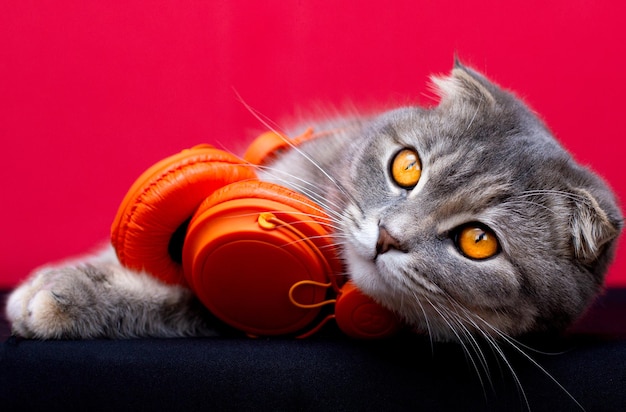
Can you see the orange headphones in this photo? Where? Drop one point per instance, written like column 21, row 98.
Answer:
column 259, row 256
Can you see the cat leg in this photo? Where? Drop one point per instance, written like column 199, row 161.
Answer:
column 102, row 299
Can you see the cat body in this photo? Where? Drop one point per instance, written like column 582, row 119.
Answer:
column 480, row 164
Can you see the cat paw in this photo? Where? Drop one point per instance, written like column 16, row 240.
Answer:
column 103, row 300
column 57, row 303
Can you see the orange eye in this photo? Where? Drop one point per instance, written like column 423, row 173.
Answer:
column 406, row 168
column 477, row 242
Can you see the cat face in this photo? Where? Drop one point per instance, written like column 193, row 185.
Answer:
column 470, row 218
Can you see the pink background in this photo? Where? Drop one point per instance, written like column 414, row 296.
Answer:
column 92, row 93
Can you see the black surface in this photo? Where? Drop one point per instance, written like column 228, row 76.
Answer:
column 333, row 373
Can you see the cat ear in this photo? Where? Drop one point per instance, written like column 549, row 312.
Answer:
column 591, row 227
column 463, row 85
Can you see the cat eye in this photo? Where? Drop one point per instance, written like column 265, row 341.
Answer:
column 476, row 241
column 406, row 168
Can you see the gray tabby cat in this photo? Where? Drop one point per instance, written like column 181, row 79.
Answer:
column 466, row 219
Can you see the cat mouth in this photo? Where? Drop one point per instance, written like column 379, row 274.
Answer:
column 386, row 274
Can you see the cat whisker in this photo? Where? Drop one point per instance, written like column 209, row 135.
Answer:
column 457, row 322
column 468, row 317
column 517, row 346
column 264, row 120
column 506, row 361
column 462, row 320
column 426, row 320
column 497, row 350
column 449, row 318
column 276, row 172
column 321, row 200
column 293, row 146
column 311, row 190
column 310, row 238
column 513, row 344
column 334, row 245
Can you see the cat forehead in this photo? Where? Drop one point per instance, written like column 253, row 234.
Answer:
column 471, row 167
column 467, row 123
column 486, row 139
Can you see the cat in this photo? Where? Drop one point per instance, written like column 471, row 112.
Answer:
column 465, row 219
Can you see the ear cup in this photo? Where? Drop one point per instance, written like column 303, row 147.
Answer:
column 247, row 246
column 358, row 316
column 161, row 202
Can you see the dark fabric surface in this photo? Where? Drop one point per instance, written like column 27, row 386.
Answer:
column 330, row 373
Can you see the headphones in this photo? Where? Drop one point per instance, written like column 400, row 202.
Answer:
column 258, row 255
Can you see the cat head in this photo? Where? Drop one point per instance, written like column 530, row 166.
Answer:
column 470, row 217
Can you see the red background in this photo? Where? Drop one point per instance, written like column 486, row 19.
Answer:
column 92, row 93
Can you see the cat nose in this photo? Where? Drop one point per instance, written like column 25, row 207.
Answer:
column 386, row 242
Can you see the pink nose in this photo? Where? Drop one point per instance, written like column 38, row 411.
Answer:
column 386, row 242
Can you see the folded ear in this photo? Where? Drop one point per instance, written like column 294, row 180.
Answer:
column 464, row 85
column 591, row 227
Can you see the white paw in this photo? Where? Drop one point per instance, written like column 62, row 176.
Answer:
column 50, row 304
column 102, row 300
